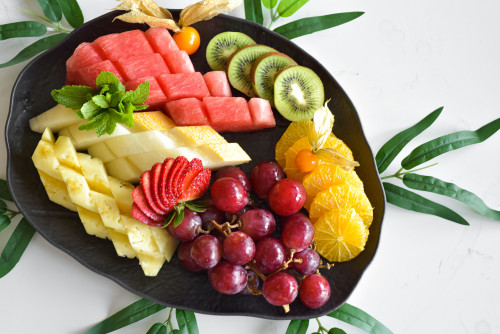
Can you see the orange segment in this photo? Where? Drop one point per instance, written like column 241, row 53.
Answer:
column 325, row 176
column 293, row 133
column 340, row 235
column 342, row 197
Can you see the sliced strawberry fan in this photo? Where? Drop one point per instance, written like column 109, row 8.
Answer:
column 167, row 189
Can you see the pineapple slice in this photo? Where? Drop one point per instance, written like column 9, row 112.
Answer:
column 56, row 190
column 122, row 244
column 92, row 223
column 78, row 189
column 66, row 154
column 122, row 192
column 109, row 212
column 95, row 173
column 45, row 159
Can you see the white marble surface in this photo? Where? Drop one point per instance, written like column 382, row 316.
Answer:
column 397, row 62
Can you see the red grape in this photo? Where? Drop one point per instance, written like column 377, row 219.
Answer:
column 287, row 197
column 206, row 251
column 185, row 259
column 280, row 289
column 234, row 173
column 310, row 261
column 228, row 195
column 314, row 291
column 258, row 223
column 228, row 278
column 298, row 233
column 212, row 213
column 269, row 255
column 238, row 248
column 284, row 220
column 189, row 227
column 253, row 282
column 263, row 176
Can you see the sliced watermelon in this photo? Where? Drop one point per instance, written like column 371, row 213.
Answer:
column 123, row 45
column 217, row 83
column 161, row 40
column 180, row 86
column 228, row 113
column 85, row 55
column 142, row 66
column 87, row 75
column 188, row 111
column 262, row 114
column 179, row 62
column 156, row 99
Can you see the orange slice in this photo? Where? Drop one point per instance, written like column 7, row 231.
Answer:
column 294, row 132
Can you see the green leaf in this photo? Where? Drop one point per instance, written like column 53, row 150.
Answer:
column 360, row 319
column 435, row 185
column 336, row 331
column 253, row 11
column 100, row 101
column 3, row 206
column 391, row 148
column 4, row 191
column 15, row 247
column 51, row 9
column 269, row 3
column 178, row 218
column 4, row 222
column 139, row 310
column 106, row 78
column 73, row 97
column 186, row 321
column 138, row 96
column 158, row 328
column 90, row 109
column 22, row 29
column 409, row 200
column 310, row 25
column 170, row 218
column 176, row 331
column 297, row 327
column 447, row 143
column 287, row 8
column 72, row 12
column 35, row 48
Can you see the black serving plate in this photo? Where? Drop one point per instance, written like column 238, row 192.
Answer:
column 175, row 286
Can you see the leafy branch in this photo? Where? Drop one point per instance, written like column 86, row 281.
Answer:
column 409, row 200
column 49, row 26
column 286, row 8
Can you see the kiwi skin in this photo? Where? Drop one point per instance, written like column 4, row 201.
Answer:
column 242, row 81
column 217, row 57
column 263, row 83
column 312, row 92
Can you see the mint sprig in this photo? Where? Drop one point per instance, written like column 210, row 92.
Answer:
column 105, row 106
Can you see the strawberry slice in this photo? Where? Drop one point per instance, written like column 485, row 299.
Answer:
column 197, row 187
column 156, row 186
column 141, row 201
column 194, row 167
column 138, row 214
column 176, row 171
column 148, row 188
column 166, row 201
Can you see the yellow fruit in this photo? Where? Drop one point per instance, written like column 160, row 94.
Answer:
column 340, row 235
column 342, row 197
column 325, row 176
column 294, row 132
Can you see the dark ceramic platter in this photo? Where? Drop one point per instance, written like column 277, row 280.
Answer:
column 175, row 286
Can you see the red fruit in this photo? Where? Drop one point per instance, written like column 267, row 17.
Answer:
column 280, row 289
column 287, row 197
column 234, row 173
column 263, row 176
column 166, row 199
column 314, row 291
column 197, row 187
column 298, row 233
column 188, row 228
column 141, row 202
column 156, row 188
column 147, row 188
column 228, row 278
column 180, row 163
column 228, row 195
column 185, row 259
column 138, row 214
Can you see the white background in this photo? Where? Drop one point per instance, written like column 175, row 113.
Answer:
column 398, row 62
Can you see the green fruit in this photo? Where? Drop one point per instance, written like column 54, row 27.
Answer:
column 264, row 70
column 240, row 65
column 223, row 45
column 298, row 93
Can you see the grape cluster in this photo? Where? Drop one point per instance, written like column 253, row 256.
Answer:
column 237, row 241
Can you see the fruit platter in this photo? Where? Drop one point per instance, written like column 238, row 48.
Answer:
column 261, row 135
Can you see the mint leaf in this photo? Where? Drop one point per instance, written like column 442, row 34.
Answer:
column 73, row 97
column 138, row 96
column 106, row 78
column 101, row 101
column 90, row 109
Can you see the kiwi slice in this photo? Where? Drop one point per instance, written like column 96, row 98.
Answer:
column 240, row 64
column 298, row 93
column 223, row 45
column 264, row 70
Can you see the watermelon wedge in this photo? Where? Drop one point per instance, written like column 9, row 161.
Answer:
column 262, row 114
column 183, row 85
column 228, row 113
column 123, row 45
column 156, row 99
column 188, row 111
column 142, row 66
column 217, row 83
